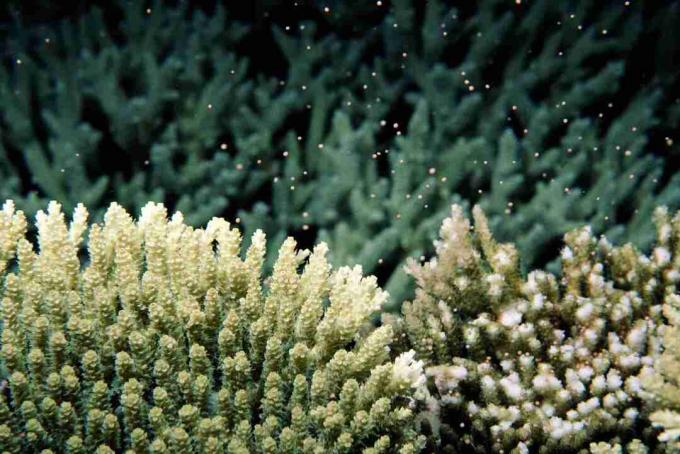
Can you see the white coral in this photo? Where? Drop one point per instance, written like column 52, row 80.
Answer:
column 409, row 370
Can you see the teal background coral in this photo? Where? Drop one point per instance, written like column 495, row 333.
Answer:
column 357, row 123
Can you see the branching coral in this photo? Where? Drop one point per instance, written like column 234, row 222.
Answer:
column 166, row 340
column 136, row 112
column 538, row 363
column 662, row 384
column 497, row 104
column 350, row 127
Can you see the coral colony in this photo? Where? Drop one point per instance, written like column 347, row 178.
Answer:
column 168, row 341
column 388, row 226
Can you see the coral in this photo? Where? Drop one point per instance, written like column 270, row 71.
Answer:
column 164, row 339
column 662, row 383
column 541, row 363
column 360, row 128
column 140, row 112
column 504, row 110
column 350, row 128
column 356, row 124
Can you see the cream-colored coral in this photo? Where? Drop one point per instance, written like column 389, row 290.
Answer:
column 662, row 382
column 541, row 363
column 12, row 228
column 166, row 340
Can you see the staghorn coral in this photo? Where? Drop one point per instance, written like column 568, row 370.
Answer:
column 495, row 104
column 166, row 340
column 541, row 364
column 137, row 110
column 530, row 110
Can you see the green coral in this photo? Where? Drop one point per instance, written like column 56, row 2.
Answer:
column 169, row 341
column 516, row 123
column 537, row 363
column 146, row 106
column 524, row 109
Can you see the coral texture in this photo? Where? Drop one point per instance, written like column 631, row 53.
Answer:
column 663, row 384
column 166, row 340
column 504, row 110
column 542, row 363
column 133, row 113
column 363, row 122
